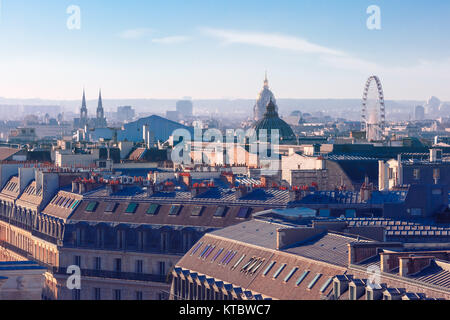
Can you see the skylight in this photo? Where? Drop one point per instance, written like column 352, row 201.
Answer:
column 269, row 268
column 302, row 277
column 153, row 209
column 111, row 207
column 217, row 255
column 289, row 276
column 326, row 285
column 279, row 271
column 197, row 211
column 132, row 207
column 238, row 262
column 174, row 210
column 91, row 207
column 196, row 248
column 243, row 213
column 220, row 212
column 314, row 281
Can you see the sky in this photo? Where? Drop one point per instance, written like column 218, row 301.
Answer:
column 209, row 49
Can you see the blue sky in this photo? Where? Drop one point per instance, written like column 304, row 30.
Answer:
column 212, row 49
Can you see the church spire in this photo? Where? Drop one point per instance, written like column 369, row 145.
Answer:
column 83, row 103
column 266, row 81
column 100, row 111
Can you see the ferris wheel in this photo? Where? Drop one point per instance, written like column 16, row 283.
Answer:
column 373, row 118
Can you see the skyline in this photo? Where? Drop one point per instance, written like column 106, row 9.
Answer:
column 311, row 50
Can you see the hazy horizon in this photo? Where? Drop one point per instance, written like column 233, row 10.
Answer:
column 172, row 49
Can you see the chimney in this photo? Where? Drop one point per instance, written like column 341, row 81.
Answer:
column 81, row 187
column 366, row 190
column 242, row 191
column 400, row 171
column 412, row 265
column 75, row 188
column 435, row 155
column 150, row 190
column 186, row 179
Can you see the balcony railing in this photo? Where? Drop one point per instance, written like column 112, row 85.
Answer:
column 116, row 275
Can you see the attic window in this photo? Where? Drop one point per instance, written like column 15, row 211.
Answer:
column 243, row 213
column 91, row 207
column 197, row 211
column 153, row 209
column 174, row 210
column 111, row 207
column 220, row 212
column 132, row 207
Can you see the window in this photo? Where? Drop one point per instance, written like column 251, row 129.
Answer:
column 196, row 248
column 139, row 295
column 118, row 265
column 220, row 212
column 197, row 211
column 217, row 255
column 352, row 293
column 120, row 239
column 350, row 213
column 117, row 294
column 75, row 204
column 91, row 207
column 314, row 281
column 208, row 253
column 326, row 285
column 417, row 212
column 324, row 213
column 153, row 209
column 204, row 250
column 97, row 294
column 111, row 207
column 132, row 207
column 77, row 261
column 139, row 266
column 289, row 276
column 244, row 268
column 256, row 267
column 238, row 262
column 279, row 271
column 243, row 213
column 436, row 173
column 174, row 210
column 162, row 268
column 269, row 267
column 98, row 263
column 76, row 294
column 302, row 277
column 416, row 174
column 227, row 261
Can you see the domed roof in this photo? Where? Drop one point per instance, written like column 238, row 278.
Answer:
column 271, row 121
column 263, row 99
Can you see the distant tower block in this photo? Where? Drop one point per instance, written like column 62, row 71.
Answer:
column 373, row 119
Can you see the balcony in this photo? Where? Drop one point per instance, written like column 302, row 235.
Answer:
column 116, row 275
